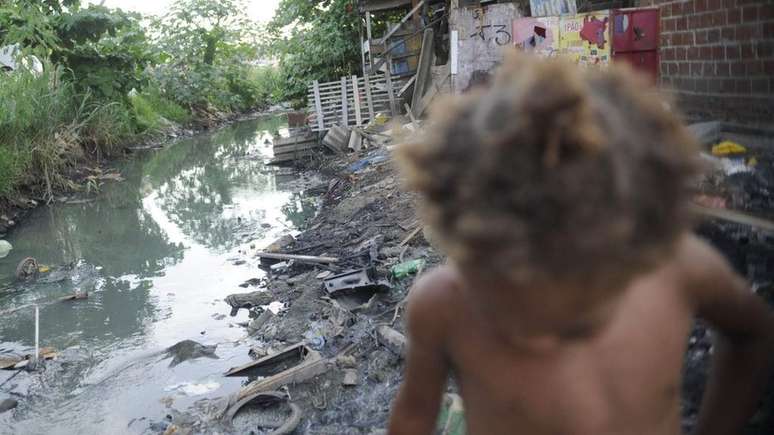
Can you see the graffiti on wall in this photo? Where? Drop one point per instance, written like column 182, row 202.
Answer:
column 497, row 33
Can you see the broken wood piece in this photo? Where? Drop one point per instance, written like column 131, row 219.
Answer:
column 75, row 296
column 298, row 258
column 407, row 85
column 275, row 363
column 318, row 106
column 410, row 236
column 356, row 98
column 392, row 340
column 355, row 141
column 311, row 365
column 734, row 216
column 400, row 24
column 423, row 71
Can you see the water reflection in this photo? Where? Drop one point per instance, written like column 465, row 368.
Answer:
column 179, row 211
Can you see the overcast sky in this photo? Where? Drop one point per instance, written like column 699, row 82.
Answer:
column 260, row 10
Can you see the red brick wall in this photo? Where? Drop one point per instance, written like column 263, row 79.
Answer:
column 718, row 56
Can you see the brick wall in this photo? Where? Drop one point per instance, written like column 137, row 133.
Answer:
column 718, row 57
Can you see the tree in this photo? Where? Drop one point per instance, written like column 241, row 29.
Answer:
column 106, row 50
column 29, row 24
column 207, row 47
column 314, row 40
column 193, row 31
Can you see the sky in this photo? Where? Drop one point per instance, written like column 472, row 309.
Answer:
column 259, row 10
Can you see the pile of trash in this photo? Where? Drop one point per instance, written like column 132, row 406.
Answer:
column 735, row 199
column 326, row 321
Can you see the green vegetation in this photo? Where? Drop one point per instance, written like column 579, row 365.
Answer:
column 313, row 40
column 108, row 79
column 44, row 124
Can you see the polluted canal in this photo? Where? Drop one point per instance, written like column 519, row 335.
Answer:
column 156, row 252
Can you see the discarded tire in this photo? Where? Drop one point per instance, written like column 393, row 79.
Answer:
column 268, row 398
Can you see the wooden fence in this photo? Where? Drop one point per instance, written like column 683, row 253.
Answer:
column 353, row 101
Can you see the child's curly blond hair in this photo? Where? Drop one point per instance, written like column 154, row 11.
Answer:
column 554, row 175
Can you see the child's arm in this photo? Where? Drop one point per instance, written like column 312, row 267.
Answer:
column 743, row 345
column 416, row 407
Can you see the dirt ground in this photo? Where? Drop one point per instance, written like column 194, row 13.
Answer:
column 366, row 219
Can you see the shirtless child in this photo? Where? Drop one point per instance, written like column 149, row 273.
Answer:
column 560, row 197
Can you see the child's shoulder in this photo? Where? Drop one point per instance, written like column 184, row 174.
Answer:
column 433, row 301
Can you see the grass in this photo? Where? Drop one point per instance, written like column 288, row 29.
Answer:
column 153, row 112
column 46, row 128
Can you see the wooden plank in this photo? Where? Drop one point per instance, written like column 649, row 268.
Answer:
column 295, row 146
column 344, row 114
column 425, row 101
column 423, row 71
column 410, row 115
column 369, row 38
column 305, row 137
column 356, row 95
column 290, row 157
column 454, row 58
column 369, row 97
column 298, row 258
column 391, row 91
column 400, row 24
column 355, row 141
column 318, row 105
column 406, row 86
column 733, row 216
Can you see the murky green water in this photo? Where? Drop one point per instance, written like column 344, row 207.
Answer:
column 157, row 254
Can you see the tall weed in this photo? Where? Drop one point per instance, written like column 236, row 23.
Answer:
column 44, row 125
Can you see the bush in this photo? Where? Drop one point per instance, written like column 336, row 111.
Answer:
column 146, row 118
column 166, row 107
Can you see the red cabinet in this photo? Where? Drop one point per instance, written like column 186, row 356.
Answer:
column 643, row 61
column 636, row 39
column 635, row 30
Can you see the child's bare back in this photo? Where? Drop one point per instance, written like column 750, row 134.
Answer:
column 598, row 349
